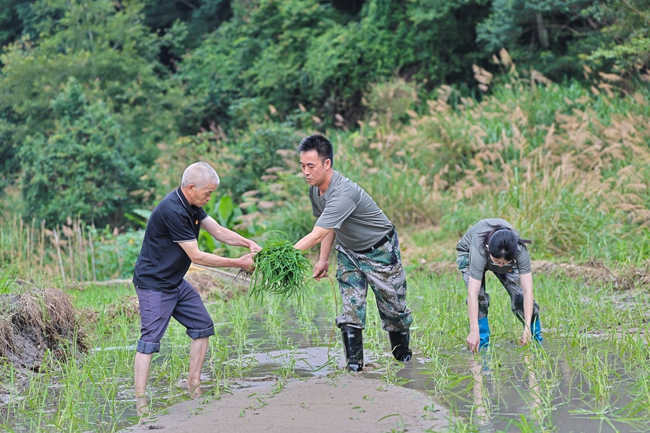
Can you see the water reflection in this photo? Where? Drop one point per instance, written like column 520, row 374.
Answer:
column 521, row 390
column 481, row 409
column 533, row 386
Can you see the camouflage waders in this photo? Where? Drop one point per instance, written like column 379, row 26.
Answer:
column 383, row 270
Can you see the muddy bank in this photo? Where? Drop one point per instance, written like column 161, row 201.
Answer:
column 342, row 402
column 216, row 284
column 35, row 321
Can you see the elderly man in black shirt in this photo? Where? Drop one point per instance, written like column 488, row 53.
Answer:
column 169, row 247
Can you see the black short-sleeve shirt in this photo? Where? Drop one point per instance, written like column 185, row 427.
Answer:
column 162, row 263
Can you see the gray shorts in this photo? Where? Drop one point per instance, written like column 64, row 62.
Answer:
column 157, row 308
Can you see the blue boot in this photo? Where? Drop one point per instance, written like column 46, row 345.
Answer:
column 484, row 332
column 536, row 330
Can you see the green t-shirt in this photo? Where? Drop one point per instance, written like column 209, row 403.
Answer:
column 351, row 212
column 479, row 261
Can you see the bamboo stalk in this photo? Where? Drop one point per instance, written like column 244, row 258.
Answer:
column 58, row 253
column 11, row 235
column 41, row 243
column 30, row 237
column 92, row 253
column 117, row 254
column 82, row 250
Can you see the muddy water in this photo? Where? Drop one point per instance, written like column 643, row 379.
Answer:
column 496, row 397
column 511, row 393
column 504, row 390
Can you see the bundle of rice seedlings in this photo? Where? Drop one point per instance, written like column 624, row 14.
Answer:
column 280, row 269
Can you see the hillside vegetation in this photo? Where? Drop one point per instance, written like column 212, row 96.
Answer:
column 445, row 111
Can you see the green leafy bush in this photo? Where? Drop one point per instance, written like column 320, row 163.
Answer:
column 109, row 50
column 291, row 53
column 88, row 168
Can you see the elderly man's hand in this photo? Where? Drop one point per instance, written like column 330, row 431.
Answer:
column 246, row 262
column 253, row 247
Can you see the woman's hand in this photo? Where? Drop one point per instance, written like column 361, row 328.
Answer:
column 473, row 340
column 526, row 337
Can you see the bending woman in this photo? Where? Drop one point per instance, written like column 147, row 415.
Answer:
column 493, row 244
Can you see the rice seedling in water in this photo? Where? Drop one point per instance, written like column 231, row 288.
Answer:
column 280, row 269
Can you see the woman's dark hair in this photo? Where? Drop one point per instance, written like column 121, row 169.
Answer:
column 320, row 144
column 502, row 242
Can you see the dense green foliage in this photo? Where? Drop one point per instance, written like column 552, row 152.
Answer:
column 305, row 52
column 240, row 81
column 89, row 160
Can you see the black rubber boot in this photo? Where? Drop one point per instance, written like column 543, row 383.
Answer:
column 353, row 343
column 399, row 344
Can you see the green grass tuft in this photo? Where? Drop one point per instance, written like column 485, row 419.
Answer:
column 280, row 269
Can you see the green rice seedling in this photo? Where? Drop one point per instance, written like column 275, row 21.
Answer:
column 285, row 371
column 390, row 374
column 599, row 374
column 523, row 425
column 437, row 371
column 280, row 269
column 311, row 310
column 458, row 424
column 274, row 321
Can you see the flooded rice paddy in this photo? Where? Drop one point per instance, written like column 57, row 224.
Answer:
column 591, row 373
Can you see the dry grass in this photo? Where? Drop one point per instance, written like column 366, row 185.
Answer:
column 127, row 307
column 559, row 181
column 73, row 252
column 35, row 320
column 6, row 337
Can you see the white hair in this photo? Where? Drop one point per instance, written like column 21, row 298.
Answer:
column 201, row 174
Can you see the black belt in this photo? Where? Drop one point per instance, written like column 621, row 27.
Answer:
column 381, row 242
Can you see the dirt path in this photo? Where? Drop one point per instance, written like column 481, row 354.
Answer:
column 339, row 403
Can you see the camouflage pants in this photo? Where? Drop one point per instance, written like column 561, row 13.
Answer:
column 383, row 270
column 510, row 282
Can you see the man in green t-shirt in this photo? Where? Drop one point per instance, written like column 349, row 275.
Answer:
column 368, row 252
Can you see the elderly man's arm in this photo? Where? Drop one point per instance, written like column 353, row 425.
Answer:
column 227, row 236
column 199, row 257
